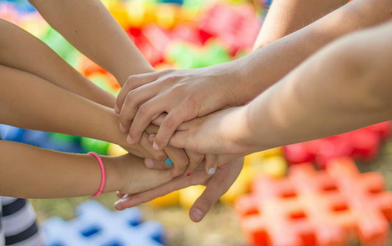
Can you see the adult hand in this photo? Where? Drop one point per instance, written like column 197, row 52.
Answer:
column 216, row 186
column 183, row 94
column 221, row 133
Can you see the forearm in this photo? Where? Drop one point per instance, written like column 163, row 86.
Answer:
column 40, row 60
column 28, row 101
column 266, row 66
column 30, row 172
column 285, row 17
column 88, row 25
column 344, row 87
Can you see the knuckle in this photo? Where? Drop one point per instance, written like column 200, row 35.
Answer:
column 159, row 156
column 178, row 89
column 131, row 96
column 131, row 79
column 204, row 204
column 169, row 123
column 143, row 110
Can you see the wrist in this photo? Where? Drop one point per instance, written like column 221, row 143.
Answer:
column 114, row 177
column 245, row 137
column 240, row 83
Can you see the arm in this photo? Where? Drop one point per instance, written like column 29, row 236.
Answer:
column 31, row 102
column 237, row 82
column 344, row 87
column 285, row 17
column 53, row 69
column 87, row 22
column 31, row 172
column 50, row 66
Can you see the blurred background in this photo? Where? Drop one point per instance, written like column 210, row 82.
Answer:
column 183, row 34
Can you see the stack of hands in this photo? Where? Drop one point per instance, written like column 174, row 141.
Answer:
column 172, row 110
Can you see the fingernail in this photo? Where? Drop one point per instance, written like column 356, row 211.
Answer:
column 129, row 140
column 118, row 202
column 197, row 214
column 169, row 161
column 189, row 174
column 122, row 128
column 211, row 171
column 149, row 163
column 116, row 109
column 223, row 165
column 155, row 146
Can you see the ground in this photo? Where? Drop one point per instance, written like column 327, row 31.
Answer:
column 219, row 228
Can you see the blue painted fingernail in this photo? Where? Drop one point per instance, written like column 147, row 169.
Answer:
column 169, row 161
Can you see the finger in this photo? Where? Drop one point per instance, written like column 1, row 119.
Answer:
column 204, row 203
column 169, row 125
column 155, row 164
column 211, row 164
column 198, row 178
column 158, row 165
column 119, row 194
column 158, row 121
column 131, row 105
column 152, row 153
column 180, row 139
column 194, row 161
column 180, row 160
column 144, row 115
column 216, row 187
column 132, row 83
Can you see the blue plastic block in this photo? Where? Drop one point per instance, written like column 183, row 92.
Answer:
column 179, row 2
column 95, row 225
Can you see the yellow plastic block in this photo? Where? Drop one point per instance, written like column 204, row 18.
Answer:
column 240, row 186
column 119, row 12
column 115, row 150
column 260, row 156
column 275, row 167
column 166, row 15
column 140, row 13
column 189, row 195
column 171, row 199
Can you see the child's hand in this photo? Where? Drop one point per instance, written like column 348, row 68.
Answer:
column 216, row 186
column 184, row 161
column 135, row 177
column 183, row 94
column 218, row 133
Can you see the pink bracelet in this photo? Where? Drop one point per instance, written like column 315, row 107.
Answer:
column 103, row 180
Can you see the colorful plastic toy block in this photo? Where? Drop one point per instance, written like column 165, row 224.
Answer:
column 330, row 207
column 97, row 226
column 363, row 144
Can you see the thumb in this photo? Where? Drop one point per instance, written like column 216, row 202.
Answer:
column 204, row 203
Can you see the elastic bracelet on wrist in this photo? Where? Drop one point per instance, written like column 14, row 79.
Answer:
column 103, row 173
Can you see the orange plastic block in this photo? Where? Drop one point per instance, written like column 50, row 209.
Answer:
column 322, row 208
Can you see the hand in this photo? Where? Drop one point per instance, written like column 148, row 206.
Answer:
column 216, row 186
column 219, row 133
column 135, row 177
column 183, row 160
column 183, row 94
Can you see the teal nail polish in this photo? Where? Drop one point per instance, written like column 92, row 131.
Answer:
column 169, row 161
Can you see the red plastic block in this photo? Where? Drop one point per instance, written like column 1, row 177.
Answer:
column 321, row 208
column 236, row 26
column 363, row 144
